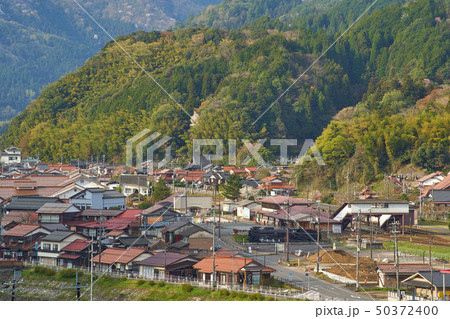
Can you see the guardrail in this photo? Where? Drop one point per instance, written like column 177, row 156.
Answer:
column 298, row 291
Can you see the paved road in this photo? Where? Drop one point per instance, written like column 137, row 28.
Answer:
column 327, row 290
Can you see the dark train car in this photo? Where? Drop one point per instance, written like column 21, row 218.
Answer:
column 270, row 234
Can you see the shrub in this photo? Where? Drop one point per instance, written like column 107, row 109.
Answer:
column 68, row 273
column 44, row 271
column 186, row 288
column 161, row 284
column 140, row 282
column 233, row 294
column 241, row 295
column 224, row 293
column 123, row 278
column 151, row 283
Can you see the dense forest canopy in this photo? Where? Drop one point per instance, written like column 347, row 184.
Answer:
column 40, row 41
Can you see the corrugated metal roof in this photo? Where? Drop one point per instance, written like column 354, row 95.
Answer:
column 57, row 236
column 120, row 255
column 162, row 259
column 21, row 230
column 77, row 245
column 55, row 208
column 29, row 202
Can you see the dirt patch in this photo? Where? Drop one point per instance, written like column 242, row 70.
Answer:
column 367, row 270
column 330, row 256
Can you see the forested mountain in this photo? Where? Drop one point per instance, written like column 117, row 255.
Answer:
column 332, row 15
column 42, row 40
column 230, row 77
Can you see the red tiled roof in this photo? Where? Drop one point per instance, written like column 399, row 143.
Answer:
column 277, row 186
column 444, row 184
column 115, row 233
column 426, row 177
column 77, row 245
column 69, row 256
column 130, row 213
column 225, row 264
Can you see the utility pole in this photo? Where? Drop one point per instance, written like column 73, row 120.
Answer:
column 99, row 238
column 431, row 266
column 371, row 233
column 287, row 232
column 12, row 285
column 92, row 268
column 318, row 238
column 77, row 286
column 214, row 253
column 395, row 231
column 2, row 211
column 358, row 247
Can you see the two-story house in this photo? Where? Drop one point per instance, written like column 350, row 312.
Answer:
column 59, row 213
column 11, row 155
column 20, row 242
column 51, row 245
column 96, row 198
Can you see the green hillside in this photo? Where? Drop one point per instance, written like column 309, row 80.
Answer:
column 40, row 41
column 230, row 77
column 333, row 15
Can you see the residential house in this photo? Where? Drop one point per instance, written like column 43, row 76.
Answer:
column 247, row 209
column 51, row 245
column 141, row 242
column 430, row 179
column 28, row 203
column 133, row 184
column 387, row 273
column 20, row 242
column 120, row 260
column 11, row 155
column 96, row 198
column 165, row 264
column 58, row 213
column 75, row 254
column 428, row 284
column 250, row 187
column 233, row 270
column 193, row 204
column 157, row 213
column 171, row 234
column 274, row 185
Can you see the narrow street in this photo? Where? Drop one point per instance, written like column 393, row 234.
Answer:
column 326, row 289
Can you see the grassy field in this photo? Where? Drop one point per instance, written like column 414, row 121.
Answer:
column 40, row 283
column 440, row 252
column 433, row 222
column 240, row 238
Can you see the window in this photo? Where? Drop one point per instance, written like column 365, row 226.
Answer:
column 380, row 205
column 46, row 247
column 55, row 247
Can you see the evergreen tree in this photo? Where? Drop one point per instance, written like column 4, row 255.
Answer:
column 160, row 190
column 232, row 188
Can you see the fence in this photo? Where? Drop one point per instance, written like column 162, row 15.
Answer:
column 298, row 291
